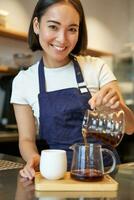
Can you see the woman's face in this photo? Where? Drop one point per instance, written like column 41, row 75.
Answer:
column 58, row 33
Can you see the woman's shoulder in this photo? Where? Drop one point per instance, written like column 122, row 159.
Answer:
column 90, row 61
column 95, row 70
column 29, row 74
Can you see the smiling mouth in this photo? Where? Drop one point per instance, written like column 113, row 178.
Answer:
column 58, row 48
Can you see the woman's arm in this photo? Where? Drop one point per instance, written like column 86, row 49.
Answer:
column 110, row 96
column 27, row 139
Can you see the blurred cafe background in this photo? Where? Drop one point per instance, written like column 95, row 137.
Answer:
column 110, row 36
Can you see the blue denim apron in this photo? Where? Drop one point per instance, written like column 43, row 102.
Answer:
column 62, row 112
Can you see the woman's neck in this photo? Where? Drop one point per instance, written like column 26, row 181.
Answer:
column 54, row 63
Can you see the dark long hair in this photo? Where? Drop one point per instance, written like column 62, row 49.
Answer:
column 39, row 11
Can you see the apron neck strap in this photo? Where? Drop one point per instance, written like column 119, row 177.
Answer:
column 41, row 76
column 79, row 77
column 78, row 72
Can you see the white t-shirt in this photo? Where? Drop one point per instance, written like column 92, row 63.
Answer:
column 25, row 87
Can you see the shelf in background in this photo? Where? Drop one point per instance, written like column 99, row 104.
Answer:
column 9, row 33
column 97, row 53
column 8, row 70
column 8, row 136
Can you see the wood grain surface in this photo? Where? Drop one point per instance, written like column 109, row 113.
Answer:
column 69, row 184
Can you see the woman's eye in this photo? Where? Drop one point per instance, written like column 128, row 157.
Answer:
column 73, row 30
column 52, row 27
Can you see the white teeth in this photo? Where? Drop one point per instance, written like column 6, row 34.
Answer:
column 60, row 48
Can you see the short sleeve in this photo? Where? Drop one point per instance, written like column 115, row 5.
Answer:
column 96, row 72
column 105, row 75
column 19, row 89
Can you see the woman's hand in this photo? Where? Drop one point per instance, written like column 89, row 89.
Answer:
column 30, row 168
column 107, row 96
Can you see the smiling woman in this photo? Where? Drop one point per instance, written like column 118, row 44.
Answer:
column 59, row 88
column 58, row 33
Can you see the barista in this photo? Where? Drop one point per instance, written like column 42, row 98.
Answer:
column 62, row 85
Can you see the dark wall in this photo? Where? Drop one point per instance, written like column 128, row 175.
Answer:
column 12, row 148
column 126, row 149
column 7, row 110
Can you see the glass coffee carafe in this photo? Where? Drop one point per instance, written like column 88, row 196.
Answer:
column 104, row 125
column 87, row 162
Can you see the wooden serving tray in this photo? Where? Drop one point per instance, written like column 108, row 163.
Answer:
column 69, row 184
column 75, row 194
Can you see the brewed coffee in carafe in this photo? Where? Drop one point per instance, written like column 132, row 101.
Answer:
column 106, row 126
column 87, row 162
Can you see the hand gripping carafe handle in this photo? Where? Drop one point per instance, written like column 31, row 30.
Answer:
column 113, row 159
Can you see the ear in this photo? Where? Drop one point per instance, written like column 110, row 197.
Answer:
column 36, row 25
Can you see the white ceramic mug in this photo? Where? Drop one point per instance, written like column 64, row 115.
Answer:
column 53, row 164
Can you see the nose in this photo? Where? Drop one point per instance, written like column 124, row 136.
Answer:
column 61, row 37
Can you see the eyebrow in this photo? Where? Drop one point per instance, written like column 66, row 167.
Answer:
column 52, row 21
